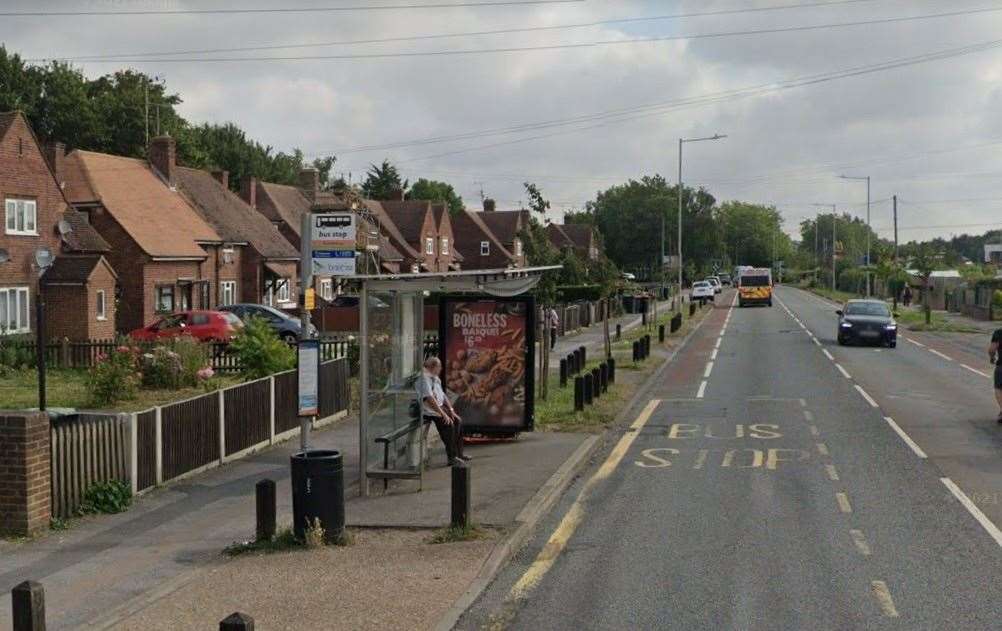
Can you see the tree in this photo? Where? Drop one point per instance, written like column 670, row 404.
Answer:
column 924, row 262
column 383, row 182
column 751, row 232
column 538, row 249
column 435, row 191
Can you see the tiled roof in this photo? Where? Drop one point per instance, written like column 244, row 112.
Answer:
column 160, row 220
column 78, row 189
column 72, row 269
column 408, row 216
column 558, row 237
column 288, row 204
column 82, row 236
column 390, row 228
column 505, row 224
column 469, row 229
column 231, row 217
column 581, row 235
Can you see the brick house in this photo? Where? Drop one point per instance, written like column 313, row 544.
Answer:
column 580, row 238
column 265, row 258
column 425, row 229
column 507, row 225
column 479, row 246
column 37, row 218
column 168, row 258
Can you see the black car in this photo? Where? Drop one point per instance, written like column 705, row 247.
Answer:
column 867, row 321
column 287, row 327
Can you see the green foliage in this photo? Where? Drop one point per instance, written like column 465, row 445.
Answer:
column 113, row 496
column 572, row 293
column 436, row 191
column 997, row 298
column 115, row 377
column 260, row 351
column 383, row 181
column 538, row 249
column 15, row 354
column 454, row 534
column 753, row 234
column 177, row 363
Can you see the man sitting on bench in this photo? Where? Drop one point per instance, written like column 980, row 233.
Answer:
column 436, row 408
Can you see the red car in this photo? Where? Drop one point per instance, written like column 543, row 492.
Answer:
column 205, row 326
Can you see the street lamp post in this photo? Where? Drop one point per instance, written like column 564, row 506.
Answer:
column 681, row 141
column 817, row 228
column 867, row 179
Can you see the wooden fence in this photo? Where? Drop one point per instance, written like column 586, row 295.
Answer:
column 168, row 442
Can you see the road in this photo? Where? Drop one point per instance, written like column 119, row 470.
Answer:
column 760, row 485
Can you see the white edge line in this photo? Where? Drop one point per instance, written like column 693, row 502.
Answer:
column 919, row 344
column 825, row 352
column 972, row 508
column 702, row 390
column 866, row 396
column 843, row 371
column 976, row 371
column 905, row 437
column 709, row 369
column 937, row 353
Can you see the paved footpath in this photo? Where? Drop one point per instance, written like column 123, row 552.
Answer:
column 761, row 487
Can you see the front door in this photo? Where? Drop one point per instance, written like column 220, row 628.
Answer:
column 185, row 297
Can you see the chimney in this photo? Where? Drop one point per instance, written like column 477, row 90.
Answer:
column 55, row 152
column 309, row 182
column 223, row 177
column 163, row 158
column 395, row 195
column 248, row 190
column 489, row 205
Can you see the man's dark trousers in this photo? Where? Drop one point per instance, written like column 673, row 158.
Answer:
column 451, row 435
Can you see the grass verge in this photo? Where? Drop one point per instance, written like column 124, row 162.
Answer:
column 914, row 320
column 283, row 541
column 454, row 534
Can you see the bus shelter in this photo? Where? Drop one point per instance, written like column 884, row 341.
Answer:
column 490, row 368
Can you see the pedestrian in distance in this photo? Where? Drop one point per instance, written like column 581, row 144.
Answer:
column 552, row 322
column 994, row 357
column 906, row 298
column 436, row 408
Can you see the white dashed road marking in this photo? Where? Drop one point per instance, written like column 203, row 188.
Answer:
column 976, row 371
column 919, row 344
column 702, row 390
column 938, row 354
column 905, row 437
column 843, row 371
column 827, row 354
column 986, row 523
column 866, row 396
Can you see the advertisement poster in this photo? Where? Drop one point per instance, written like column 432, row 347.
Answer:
column 487, row 348
column 309, row 378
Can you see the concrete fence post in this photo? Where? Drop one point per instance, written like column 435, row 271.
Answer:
column 271, row 413
column 222, row 427
column 158, row 454
column 134, row 452
column 28, row 607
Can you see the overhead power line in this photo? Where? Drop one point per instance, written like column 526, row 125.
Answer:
column 535, row 48
column 344, row 9
column 414, row 38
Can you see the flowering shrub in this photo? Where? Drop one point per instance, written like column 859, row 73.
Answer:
column 176, row 364
column 114, row 377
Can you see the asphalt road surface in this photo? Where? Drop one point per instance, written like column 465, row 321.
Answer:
column 760, row 485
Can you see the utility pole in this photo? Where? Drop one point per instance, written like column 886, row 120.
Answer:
column 867, row 179
column 817, row 261
column 895, row 198
column 834, row 223
column 306, row 330
column 147, row 110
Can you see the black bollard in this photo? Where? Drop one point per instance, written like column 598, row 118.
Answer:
column 578, row 394
column 584, row 357
column 563, row 373
column 578, row 364
column 596, row 383
column 619, row 332
column 461, row 495
column 661, row 333
column 603, row 376
column 647, row 346
column 588, row 395
column 265, row 501
column 643, row 318
column 635, row 347
column 237, row 622
column 28, row 607
column 692, row 309
column 612, row 370
column 572, row 364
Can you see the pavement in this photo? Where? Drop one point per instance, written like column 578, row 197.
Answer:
column 164, row 554
column 775, row 480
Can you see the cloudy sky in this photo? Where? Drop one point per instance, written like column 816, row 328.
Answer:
column 590, row 105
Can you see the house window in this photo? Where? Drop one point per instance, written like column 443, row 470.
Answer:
column 14, row 310
column 283, row 290
column 165, row 298
column 99, row 306
column 327, row 289
column 429, row 245
column 21, row 216
column 185, row 296
column 227, row 255
column 485, row 248
column 445, row 245
column 518, row 247
column 227, row 292
column 415, row 268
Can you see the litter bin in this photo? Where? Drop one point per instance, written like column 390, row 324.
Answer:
column 318, row 492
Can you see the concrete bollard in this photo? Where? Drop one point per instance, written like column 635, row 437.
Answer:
column 461, row 495
column 578, row 394
column 563, row 373
column 588, row 394
column 264, row 492
column 612, row 370
column 237, row 622
column 28, row 607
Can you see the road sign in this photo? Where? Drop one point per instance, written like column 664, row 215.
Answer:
column 309, row 377
column 332, row 241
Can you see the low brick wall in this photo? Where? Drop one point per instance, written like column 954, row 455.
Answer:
column 25, row 471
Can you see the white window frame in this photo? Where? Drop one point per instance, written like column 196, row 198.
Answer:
column 327, row 288
column 158, row 292
column 15, row 310
column 283, row 291
column 485, row 248
column 445, row 246
column 429, row 245
column 518, row 247
column 21, row 216
column 101, row 305
column 227, row 288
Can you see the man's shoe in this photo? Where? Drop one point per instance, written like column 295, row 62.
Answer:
column 469, row 458
column 454, row 462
